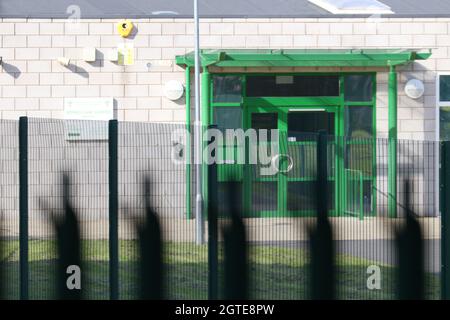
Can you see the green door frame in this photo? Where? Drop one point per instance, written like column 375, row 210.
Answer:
column 338, row 103
column 281, row 178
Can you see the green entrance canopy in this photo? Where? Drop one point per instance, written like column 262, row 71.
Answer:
column 390, row 58
column 304, row 57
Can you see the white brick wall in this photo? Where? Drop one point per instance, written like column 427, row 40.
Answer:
column 32, row 82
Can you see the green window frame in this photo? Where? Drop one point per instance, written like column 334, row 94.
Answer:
column 234, row 172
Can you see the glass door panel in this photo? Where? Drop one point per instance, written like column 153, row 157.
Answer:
column 303, row 126
column 263, row 180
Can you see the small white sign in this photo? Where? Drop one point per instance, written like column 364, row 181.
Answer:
column 284, row 79
column 77, row 112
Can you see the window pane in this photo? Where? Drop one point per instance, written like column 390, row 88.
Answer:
column 227, row 88
column 228, row 117
column 267, row 121
column 358, row 122
column 444, row 88
column 359, row 156
column 302, row 123
column 444, row 123
column 292, row 86
column 358, row 88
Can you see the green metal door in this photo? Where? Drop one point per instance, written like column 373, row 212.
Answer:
column 282, row 181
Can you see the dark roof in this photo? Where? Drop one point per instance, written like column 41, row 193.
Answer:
column 208, row 8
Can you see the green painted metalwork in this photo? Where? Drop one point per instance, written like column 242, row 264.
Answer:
column 326, row 58
column 282, row 179
column 392, row 143
column 188, row 144
column 240, row 173
column 303, row 57
column 354, row 205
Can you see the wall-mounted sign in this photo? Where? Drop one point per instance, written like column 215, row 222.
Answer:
column 173, row 90
column 78, row 112
column 125, row 53
column 414, row 89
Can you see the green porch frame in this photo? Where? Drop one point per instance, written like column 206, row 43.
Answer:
column 351, row 58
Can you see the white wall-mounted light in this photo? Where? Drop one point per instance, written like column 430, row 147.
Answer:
column 63, row 61
column 173, row 90
column 414, row 89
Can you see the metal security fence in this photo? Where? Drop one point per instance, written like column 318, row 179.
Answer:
column 264, row 222
column 151, row 151
column 279, row 208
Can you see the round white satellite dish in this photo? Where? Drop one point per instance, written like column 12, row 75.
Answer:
column 414, row 88
column 173, row 90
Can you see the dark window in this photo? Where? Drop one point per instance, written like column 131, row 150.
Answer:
column 302, row 123
column 292, row 86
column 358, row 88
column 444, row 123
column 265, row 121
column 227, row 89
column 228, row 117
column 358, row 122
column 444, row 88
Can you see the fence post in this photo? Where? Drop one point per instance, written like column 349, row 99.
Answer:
column 445, row 219
column 23, row 206
column 113, row 211
column 212, row 229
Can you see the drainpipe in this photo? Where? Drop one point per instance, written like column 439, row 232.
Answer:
column 188, row 144
column 392, row 144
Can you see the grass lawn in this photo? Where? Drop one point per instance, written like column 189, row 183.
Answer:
column 275, row 272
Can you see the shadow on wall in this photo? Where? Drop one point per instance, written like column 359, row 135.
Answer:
column 11, row 70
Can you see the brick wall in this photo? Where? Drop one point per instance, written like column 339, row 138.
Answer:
column 33, row 83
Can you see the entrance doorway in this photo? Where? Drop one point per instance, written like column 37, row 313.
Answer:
column 284, row 184
column 297, row 106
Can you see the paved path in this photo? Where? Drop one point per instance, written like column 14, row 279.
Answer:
column 260, row 229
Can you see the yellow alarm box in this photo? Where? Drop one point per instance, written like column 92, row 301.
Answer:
column 125, row 27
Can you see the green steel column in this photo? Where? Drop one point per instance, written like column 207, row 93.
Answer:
column 188, row 143
column 392, row 144
column 205, row 83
